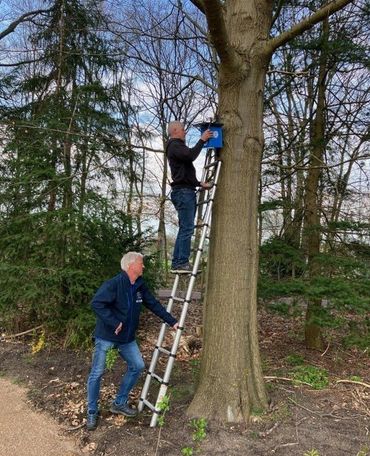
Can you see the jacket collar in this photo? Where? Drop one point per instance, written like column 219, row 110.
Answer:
column 126, row 279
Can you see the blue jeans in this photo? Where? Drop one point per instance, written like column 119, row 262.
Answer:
column 135, row 365
column 184, row 200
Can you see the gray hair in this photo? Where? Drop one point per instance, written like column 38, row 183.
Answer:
column 129, row 258
column 173, row 125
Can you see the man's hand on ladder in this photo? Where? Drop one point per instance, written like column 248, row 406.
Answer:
column 206, row 185
column 175, row 327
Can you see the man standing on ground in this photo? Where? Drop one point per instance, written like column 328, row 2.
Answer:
column 184, row 182
column 117, row 306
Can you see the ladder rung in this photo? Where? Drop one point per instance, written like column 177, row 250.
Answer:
column 201, row 225
column 164, row 350
column 205, row 202
column 175, row 298
column 156, row 377
column 211, row 164
column 150, row 405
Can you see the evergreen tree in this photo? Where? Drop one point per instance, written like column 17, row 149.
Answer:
column 59, row 234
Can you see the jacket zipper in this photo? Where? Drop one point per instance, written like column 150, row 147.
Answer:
column 131, row 309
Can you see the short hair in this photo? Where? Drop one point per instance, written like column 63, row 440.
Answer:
column 173, row 125
column 129, row 258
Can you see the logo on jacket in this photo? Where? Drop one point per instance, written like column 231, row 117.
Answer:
column 139, row 298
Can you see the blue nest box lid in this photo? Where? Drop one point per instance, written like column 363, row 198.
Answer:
column 216, row 127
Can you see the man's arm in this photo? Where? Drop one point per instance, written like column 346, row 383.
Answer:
column 182, row 152
column 102, row 302
column 156, row 307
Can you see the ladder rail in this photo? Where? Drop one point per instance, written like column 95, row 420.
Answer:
column 205, row 213
column 156, row 352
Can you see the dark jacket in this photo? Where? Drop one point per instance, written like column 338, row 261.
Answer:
column 116, row 301
column 180, row 158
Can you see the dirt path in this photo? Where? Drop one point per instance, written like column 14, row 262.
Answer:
column 24, row 432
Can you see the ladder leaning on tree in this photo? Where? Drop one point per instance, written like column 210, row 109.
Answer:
column 205, row 199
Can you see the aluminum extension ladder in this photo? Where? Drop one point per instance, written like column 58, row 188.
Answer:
column 211, row 172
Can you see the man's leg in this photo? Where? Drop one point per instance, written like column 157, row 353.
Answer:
column 135, row 365
column 184, row 200
column 93, row 382
column 175, row 256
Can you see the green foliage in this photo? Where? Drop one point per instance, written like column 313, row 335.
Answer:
column 317, row 378
column 270, row 205
column 269, row 288
column 199, row 429
column 195, row 368
column 36, row 286
column 64, row 144
column 359, row 335
column 199, row 426
column 295, row 360
column 79, row 328
column 365, row 451
column 163, row 406
column 112, row 356
column 342, row 287
column 312, row 452
column 39, row 343
column 279, row 259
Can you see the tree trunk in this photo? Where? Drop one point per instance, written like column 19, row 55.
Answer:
column 313, row 336
column 230, row 360
column 161, row 233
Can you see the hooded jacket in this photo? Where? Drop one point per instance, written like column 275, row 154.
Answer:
column 116, row 301
column 180, row 158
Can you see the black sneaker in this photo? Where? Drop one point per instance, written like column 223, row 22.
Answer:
column 92, row 421
column 186, row 268
column 123, row 409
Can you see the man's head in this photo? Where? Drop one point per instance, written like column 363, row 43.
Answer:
column 176, row 130
column 133, row 264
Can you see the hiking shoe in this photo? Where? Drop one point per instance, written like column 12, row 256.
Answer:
column 92, row 421
column 123, row 409
column 186, row 268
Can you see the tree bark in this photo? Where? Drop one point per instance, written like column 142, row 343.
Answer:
column 231, row 382
column 313, row 335
column 230, row 359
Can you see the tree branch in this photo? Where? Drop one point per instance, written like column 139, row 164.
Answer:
column 23, row 18
column 213, row 10
column 199, row 4
column 306, row 24
column 355, row 382
column 23, row 62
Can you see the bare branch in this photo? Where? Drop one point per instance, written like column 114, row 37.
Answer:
column 23, row 62
column 199, row 4
column 24, row 18
column 355, row 382
column 191, row 20
column 306, row 24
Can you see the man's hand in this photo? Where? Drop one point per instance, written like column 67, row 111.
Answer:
column 206, row 135
column 206, row 185
column 175, row 327
column 118, row 329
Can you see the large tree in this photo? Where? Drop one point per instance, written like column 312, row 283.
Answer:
column 231, row 382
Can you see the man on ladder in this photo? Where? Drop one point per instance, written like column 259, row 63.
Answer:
column 183, row 197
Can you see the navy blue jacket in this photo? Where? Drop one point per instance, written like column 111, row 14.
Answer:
column 116, row 301
column 180, row 159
